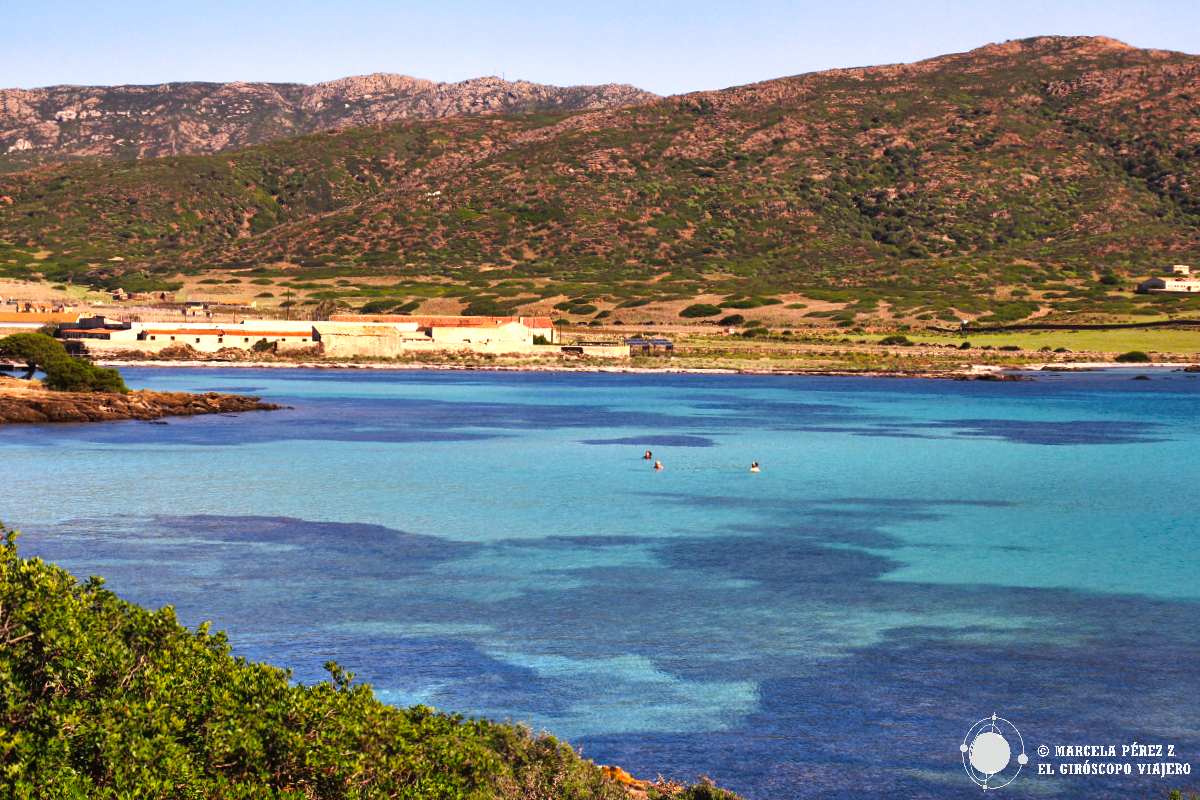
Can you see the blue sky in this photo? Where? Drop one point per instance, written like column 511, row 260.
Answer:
column 665, row 46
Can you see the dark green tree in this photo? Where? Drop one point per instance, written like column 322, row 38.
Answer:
column 64, row 372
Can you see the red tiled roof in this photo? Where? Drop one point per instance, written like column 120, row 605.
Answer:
column 371, row 318
column 221, row 332
column 446, row 321
column 463, row 322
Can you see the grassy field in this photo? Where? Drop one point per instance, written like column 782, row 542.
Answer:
column 1179, row 341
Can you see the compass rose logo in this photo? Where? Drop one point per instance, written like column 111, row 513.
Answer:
column 987, row 753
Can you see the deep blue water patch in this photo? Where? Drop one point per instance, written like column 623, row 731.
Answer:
column 1067, row 432
column 682, row 440
column 365, row 420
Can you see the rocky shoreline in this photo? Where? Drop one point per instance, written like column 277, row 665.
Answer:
column 28, row 402
column 986, row 372
column 963, row 372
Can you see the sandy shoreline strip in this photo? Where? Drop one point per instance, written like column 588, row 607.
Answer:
column 968, row 371
column 591, row 368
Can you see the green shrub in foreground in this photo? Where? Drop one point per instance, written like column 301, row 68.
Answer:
column 100, row 698
column 1133, row 357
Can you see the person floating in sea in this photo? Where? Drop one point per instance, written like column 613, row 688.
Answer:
column 658, row 465
column 648, row 455
column 754, row 467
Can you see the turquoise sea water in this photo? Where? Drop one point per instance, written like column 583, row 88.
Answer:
column 914, row 556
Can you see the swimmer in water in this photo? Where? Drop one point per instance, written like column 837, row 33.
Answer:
column 658, row 465
column 754, row 466
column 648, row 455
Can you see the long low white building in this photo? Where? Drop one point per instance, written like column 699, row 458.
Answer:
column 343, row 336
column 471, row 330
column 104, row 336
column 1170, row 284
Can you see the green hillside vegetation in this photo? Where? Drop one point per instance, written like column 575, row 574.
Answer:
column 1036, row 176
column 103, row 699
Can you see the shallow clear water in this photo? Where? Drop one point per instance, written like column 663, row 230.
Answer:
column 915, row 555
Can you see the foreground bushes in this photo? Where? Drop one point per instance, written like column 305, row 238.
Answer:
column 64, row 372
column 102, row 698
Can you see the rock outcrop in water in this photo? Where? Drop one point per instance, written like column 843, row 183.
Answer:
column 28, row 401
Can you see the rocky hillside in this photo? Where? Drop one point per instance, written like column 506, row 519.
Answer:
column 1012, row 174
column 175, row 118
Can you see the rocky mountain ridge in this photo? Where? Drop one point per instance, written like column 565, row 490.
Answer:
column 129, row 122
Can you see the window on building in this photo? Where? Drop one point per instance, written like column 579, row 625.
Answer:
column 152, row 338
column 197, row 340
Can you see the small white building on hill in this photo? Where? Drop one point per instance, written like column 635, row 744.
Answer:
column 1178, row 281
